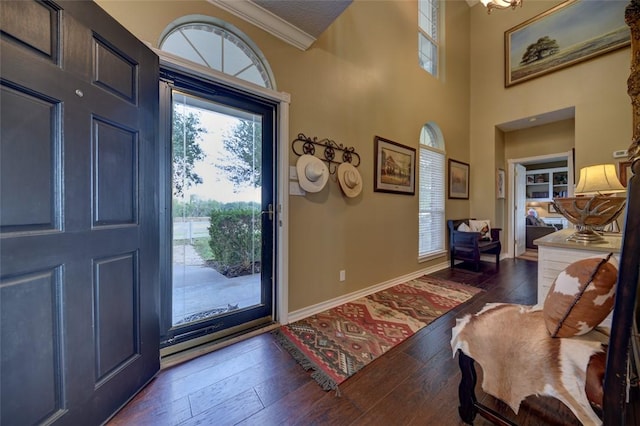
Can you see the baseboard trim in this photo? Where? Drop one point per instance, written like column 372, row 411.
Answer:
column 332, row 303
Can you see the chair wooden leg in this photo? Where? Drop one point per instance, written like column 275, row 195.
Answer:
column 466, row 390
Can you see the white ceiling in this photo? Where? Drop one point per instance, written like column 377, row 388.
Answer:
column 311, row 16
column 297, row 22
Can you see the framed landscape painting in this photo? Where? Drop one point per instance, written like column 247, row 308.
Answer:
column 571, row 32
column 458, row 180
column 395, row 167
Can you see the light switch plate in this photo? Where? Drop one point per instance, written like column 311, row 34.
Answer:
column 294, row 189
column 293, row 173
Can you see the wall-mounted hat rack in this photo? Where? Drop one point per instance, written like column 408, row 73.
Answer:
column 305, row 145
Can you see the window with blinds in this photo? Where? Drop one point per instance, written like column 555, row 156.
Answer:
column 431, row 214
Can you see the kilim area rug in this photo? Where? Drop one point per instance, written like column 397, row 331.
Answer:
column 338, row 342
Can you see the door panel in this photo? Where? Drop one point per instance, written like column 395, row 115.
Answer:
column 32, row 164
column 78, row 243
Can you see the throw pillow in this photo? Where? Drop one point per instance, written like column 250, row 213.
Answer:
column 581, row 297
column 463, row 227
column 481, row 226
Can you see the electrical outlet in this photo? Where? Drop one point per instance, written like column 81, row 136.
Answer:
column 343, row 275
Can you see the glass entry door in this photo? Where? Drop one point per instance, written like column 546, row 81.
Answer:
column 222, row 227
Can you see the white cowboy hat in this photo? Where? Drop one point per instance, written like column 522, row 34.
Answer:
column 350, row 180
column 312, row 173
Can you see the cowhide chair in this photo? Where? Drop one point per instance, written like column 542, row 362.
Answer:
column 604, row 395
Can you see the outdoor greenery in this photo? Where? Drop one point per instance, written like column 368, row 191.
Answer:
column 243, row 146
column 202, row 247
column 196, row 207
column 186, row 133
column 234, row 244
column 235, row 241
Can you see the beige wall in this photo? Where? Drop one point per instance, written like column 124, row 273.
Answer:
column 361, row 78
column 553, row 138
column 596, row 88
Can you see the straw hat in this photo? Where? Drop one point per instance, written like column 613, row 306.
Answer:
column 312, row 173
column 350, row 180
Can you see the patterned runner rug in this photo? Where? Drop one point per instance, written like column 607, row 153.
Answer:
column 338, row 342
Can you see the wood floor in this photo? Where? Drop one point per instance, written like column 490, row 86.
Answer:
column 255, row 382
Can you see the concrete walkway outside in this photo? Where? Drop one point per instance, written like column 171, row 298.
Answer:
column 198, row 288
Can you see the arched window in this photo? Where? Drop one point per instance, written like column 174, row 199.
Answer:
column 431, row 214
column 220, row 46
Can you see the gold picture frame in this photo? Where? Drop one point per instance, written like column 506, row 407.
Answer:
column 563, row 36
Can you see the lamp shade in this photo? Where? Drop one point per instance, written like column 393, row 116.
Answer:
column 598, row 179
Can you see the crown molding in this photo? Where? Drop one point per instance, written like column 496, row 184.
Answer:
column 267, row 21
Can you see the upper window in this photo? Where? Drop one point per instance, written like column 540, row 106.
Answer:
column 428, row 34
column 216, row 47
column 431, row 214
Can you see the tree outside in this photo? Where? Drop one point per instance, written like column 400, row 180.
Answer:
column 242, row 164
column 185, row 137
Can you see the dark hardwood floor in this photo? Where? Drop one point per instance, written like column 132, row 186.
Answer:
column 255, row 382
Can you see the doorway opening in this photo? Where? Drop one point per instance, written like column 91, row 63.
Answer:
column 535, row 181
column 219, row 228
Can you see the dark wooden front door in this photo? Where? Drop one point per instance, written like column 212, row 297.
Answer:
column 79, row 321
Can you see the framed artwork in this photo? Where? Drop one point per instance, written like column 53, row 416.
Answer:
column 458, row 180
column 395, row 167
column 624, row 172
column 565, row 35
column 500, row 184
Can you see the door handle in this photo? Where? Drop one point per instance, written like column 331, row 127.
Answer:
column 269, row 211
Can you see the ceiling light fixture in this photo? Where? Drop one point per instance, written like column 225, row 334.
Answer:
column 501, row 4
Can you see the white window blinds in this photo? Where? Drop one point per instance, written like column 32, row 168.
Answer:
column 431, row 215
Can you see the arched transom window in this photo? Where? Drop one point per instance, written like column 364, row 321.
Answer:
column 221, row 47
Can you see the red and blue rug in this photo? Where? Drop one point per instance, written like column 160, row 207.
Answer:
column 338, row 342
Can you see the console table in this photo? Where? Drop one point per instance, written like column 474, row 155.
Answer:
column 555, row 253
